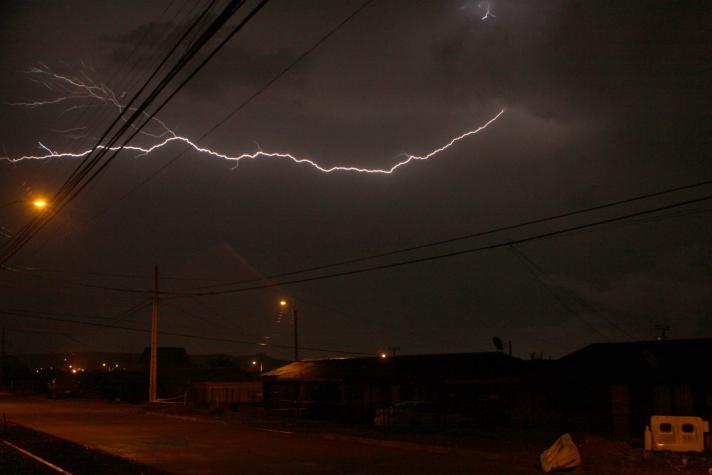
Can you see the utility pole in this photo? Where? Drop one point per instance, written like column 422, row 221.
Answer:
column 154, row 340
column 296, row 335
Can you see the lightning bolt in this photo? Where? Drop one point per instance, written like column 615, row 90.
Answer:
column 488, row 13
column 77, row 88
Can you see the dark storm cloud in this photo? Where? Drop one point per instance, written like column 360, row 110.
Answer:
column 564, row 59
column 604, row 100
column 244, row 68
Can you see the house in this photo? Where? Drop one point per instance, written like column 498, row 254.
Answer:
column 608, row 388
column 616, row 387
column 480, row 388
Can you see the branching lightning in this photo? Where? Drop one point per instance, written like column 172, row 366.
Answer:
column 488, row 10
column 78, row 88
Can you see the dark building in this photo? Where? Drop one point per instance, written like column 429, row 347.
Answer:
column 609, row 388
column 616, row 387
column 476, row 388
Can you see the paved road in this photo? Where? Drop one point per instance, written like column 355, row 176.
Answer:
column 212, row 447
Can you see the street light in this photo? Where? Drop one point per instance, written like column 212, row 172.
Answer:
column 254, row 364
column 284, row 304
column 39, row 203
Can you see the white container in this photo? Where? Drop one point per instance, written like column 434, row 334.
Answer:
column 678, row 433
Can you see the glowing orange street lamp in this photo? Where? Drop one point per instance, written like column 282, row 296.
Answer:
column 38, row 203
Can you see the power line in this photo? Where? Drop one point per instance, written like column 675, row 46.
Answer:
column 450, row 254
column 84, row 166
column 232, row 113
column 469, row 236
column 43, row 316
column 191, row 291
column 73, row 186
column 226, row 282
column 97, row 117
column 540, row 276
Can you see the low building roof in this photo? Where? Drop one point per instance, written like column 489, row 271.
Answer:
column 667, row 359
column 411, row 368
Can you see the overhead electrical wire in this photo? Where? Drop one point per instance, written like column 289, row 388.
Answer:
column 473, row 235
column 540, row 277
column 200, row 291
column 75, row 184
column 234, row 111
column 49, row 317
column 77, row 181
column 85, row 165
column 228, row 282
column 448, row 254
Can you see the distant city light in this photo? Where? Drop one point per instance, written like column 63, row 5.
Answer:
column 384, row 356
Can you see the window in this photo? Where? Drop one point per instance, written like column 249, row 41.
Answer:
column 688, row 428
column 666, row 427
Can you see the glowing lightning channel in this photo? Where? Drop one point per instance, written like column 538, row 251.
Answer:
column 262, row 154
column 488, row 13
column 76, row 88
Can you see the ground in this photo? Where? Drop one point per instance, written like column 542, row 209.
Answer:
column 238, row 443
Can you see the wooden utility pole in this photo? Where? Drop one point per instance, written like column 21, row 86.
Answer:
column 296, row 335
column 154, row 341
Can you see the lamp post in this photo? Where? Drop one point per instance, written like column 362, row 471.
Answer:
column 39, row 204
column 284, row 304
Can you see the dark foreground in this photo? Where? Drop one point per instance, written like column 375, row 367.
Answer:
column 71, row 457
column 184, row 444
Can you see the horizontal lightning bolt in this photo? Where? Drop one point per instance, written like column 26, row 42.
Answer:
column 76, row 88
column 262, row 154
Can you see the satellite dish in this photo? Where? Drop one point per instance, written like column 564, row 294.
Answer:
column 498, row 343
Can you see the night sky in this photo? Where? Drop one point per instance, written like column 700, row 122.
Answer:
column 603, row 101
